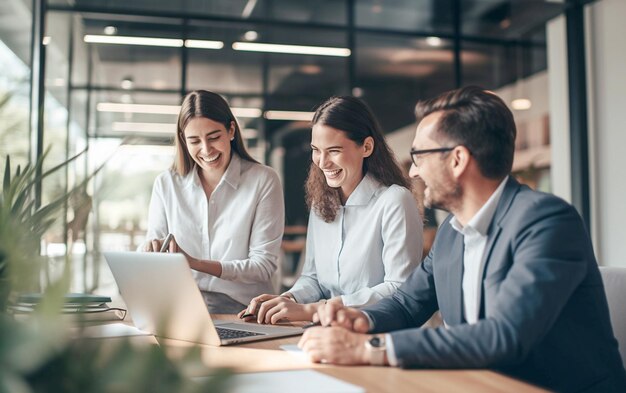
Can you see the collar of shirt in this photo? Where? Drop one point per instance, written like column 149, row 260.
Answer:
column 232, row 175
column 481, row 220
column 363, row 192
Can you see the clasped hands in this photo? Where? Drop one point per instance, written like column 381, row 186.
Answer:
column 340, row 339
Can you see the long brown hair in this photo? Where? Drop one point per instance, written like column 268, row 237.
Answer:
column 356, row 120
column 203, row 103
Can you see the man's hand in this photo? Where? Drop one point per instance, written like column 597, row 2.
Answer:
column 333, row 314
column 335, row 345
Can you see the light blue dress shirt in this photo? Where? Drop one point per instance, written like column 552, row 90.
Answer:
column 367, row 252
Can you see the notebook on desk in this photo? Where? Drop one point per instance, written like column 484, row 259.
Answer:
column 163, row 299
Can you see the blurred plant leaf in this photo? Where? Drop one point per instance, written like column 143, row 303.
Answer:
column 38, row 355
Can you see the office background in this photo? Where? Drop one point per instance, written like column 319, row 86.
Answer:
column 72, row 76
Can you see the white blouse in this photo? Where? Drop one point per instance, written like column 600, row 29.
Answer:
column 241, row 225
column 367, row 252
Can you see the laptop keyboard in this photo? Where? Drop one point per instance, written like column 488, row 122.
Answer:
column 226, row 334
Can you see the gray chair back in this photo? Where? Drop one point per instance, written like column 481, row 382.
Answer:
column 614, row 279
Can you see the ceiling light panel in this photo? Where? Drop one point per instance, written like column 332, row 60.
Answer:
column 166, row 109
column 129, row 40
column 289, row 115
column 204, row 44
column 291, row 49
column 148, row 128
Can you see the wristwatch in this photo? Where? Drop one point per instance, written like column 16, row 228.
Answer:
column 377, row 349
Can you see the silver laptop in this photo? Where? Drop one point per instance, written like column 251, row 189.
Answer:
column 163, row 299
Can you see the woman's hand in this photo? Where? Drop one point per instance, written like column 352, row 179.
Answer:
column 213, row 268
column 272, row 309
column 154, row 245
column 250, row 313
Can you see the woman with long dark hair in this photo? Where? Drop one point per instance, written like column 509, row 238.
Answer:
column 225, row 210
column 364, row 235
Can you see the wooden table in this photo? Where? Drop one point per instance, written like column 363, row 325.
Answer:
column 267, row 356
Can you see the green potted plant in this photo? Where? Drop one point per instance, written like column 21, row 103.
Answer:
column 38, row 354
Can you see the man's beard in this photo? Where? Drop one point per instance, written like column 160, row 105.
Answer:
column 444, row 200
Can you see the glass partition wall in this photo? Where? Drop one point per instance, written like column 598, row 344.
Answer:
column 115, row 73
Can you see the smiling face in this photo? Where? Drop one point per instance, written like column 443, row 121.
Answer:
column 208, row 144
column 339, row 158
column 442, row 191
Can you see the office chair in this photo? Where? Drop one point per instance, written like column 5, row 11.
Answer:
column 614, row 279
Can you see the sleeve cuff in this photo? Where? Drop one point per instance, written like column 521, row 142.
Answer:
column 228, row 271
column 391, row 352
column 304, row 293
column 369, row 319
column 289, row 295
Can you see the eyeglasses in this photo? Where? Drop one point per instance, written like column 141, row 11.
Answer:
column 415, row 153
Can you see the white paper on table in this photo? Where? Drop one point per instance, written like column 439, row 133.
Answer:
column 300, row 381
column 109, row 330
column 295, row 351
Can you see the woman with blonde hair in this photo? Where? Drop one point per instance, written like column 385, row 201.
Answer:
column 225, row 210
column 364, row 235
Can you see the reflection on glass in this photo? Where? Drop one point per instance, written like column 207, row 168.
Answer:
column 332, row 12
column 393, row 73
column 120, row 223
column 406, row 15
column 495, row 65
column 504, row 18
column 14, row 102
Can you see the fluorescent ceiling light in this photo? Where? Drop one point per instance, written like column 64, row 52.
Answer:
column 135, row 150
column 165, row 109
column 521, row 104
column 166, row 128
column 291, row 49
column 247, row 112
column 251, row 35
column 204, row 44
column 434, row 41
column 127, row 40
column 127, row 83
column 249, row 133
column 151, row 41
column 149, row 128
column 110, row 30
column 138, row 108
column 247, row 10
column 289, row 115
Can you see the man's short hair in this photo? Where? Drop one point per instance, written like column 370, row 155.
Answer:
column 479, row 120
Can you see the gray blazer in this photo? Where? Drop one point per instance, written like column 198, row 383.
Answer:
column 543, row 315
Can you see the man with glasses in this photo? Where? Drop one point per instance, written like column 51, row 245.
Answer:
column 512, row 270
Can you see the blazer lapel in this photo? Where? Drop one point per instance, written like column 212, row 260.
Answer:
column 508, row 194
column 454, row 279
